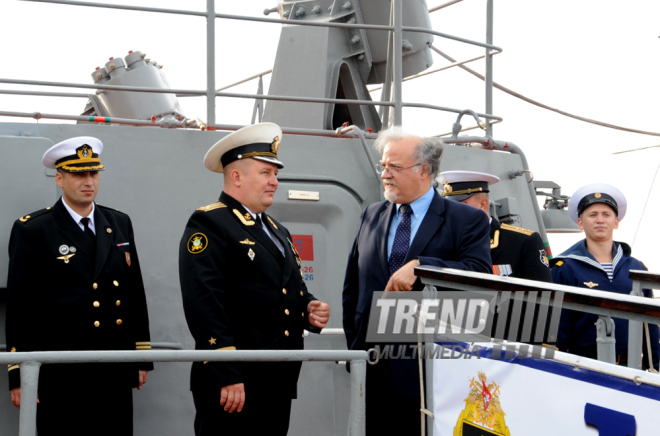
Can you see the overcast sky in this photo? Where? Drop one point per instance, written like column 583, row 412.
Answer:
column 597, row 59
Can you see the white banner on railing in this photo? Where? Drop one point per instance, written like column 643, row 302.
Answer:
column 478, row 396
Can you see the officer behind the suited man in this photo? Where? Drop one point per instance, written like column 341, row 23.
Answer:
column 243, row 290
column 75, row 284
column 515, row 252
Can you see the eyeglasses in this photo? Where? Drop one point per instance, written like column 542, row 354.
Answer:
column 380, row 169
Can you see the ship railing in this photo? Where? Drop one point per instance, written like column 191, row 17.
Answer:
column 30, row 364
column 529, row 293
column 395, row 58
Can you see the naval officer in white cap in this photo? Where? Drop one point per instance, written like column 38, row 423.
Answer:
column 515, row 251
column 75, row 284
column 601, row 263
column 243, row 290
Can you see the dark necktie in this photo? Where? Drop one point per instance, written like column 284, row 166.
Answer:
column 90, row 234
column 401, row 239
column 260, row 223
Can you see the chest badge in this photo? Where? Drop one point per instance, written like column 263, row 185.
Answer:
column 197, row 243
column 64, row 249
column 128, row 258
column 246, row 241
column 251, row 254
column 66, row 257
column 590, row 285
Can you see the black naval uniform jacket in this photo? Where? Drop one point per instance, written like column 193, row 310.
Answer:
column 518, row 252
column 240, row 292
column 78, row 300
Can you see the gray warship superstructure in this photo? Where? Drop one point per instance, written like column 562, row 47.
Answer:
column 329, row 123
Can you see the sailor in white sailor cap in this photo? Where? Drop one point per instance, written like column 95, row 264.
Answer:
column 515, row 251
column 242, row 289
column 601, row 263
column 75, row 284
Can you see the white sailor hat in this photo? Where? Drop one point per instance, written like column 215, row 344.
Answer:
column 461, row 185
column 597, row 193
column 75, row 155
column 258, row 141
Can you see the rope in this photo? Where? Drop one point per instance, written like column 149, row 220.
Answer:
column 647, row 202
column 649, row 355
column 544, row 106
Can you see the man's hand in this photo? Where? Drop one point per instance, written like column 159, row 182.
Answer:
column 142, row 379
column 233, row 397
column 403, row 279
column 319, row 313
column 16, row 397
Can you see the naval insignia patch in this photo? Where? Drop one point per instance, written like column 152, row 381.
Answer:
column 197, row 243
column 275, row 145
column 128, row 258
column 590, row 285
column 544, row 258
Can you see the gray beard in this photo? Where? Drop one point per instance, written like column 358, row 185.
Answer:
column 390, row 196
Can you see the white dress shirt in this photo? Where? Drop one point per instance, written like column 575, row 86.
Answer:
column 276, row 241
column 76, row 217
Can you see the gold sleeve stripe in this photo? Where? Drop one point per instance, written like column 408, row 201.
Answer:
column 143, row 347
column 223, row 348
column 143, row 343
column 12, row 367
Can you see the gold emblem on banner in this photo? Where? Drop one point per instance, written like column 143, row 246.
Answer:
column 483, row 412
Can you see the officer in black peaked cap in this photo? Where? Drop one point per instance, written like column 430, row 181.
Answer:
column 243, row 290
column 75, row 284
column 515, row 251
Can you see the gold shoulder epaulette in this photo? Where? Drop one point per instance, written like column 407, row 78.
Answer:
column 517, row 229
column 559, row 263
column 212, row 206
column 111, row 208
column 25, row 218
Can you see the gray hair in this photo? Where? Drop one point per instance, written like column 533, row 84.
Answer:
column 428, row 151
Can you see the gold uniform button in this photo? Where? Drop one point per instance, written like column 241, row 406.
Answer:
column 284, row 291
column 118, row 303
column 97, row 304
column 286, row 311
column 303, row 335
column 95, row 286
column 116, row 283
column 301, row 294
column 96, row 323
column 119, row 321
column 303, row 314
column 286, row 333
